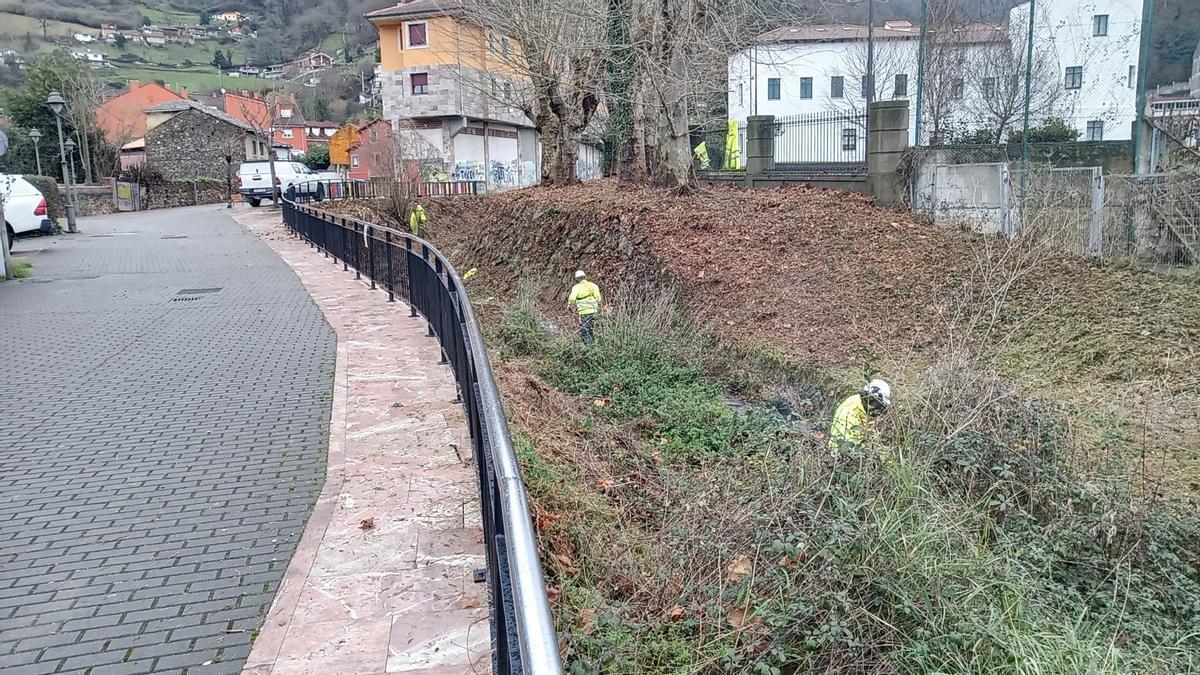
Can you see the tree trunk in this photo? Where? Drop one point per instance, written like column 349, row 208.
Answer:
column 673, row 164
column 85, row 156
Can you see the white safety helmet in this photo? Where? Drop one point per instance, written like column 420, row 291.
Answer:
column 881, row 391
column 579, row 274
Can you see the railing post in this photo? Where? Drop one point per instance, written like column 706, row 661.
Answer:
column 391, row 276
column 370, row 258
column 357, row 266
column 412, row 305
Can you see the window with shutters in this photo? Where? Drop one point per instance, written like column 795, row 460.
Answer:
column 420, row 83
column 416, row 34
column 1100, row 25
column 806, row 89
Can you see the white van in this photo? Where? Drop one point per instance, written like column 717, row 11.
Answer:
column 24, row 208
column 254, row 180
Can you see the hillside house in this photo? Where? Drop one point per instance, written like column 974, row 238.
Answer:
column 320, row 132
column 372, row 155
column 1086, row 59
column 448, row 80
column 187, row 140
column 339, row 147
column 123, row 118
column 280, row 114
column 154, row 37
column 94, row 59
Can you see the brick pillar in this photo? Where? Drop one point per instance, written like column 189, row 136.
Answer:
column 887, row 141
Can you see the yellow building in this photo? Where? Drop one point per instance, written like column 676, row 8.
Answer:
column 447, row 82
column 339, row 146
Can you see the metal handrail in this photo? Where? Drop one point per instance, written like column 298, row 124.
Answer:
column 523, row 635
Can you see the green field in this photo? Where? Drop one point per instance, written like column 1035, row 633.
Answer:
column 201, row 78
column 180, row 65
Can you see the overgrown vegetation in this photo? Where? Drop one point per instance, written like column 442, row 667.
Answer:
column 682, row 536
column 20, row 269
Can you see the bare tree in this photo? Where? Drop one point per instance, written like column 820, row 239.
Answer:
column 680, row 50
column 947, row 53
column 998, row 77
column 648, row 61
column 551, row 58
column 263, row 116
column 895, row 57
column 83, row 93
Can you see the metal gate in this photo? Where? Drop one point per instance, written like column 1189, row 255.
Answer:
column 828, row 142
column 1066, row 206
column 128, row 196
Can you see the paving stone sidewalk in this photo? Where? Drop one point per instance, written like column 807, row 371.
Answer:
column 163, row 438
column 382, row 579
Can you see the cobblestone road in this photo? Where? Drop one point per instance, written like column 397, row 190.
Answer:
column 163, row 437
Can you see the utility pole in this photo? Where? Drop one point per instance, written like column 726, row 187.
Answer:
column 1143, row 70
column 1028, row 94
column 921, row 69
column 870, row 54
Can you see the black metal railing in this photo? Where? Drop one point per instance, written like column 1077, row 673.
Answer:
column 413, row 270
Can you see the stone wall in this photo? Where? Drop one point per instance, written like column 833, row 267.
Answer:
column 94, row 200
column 453, row 91
column 193, row 144
column 170, row 194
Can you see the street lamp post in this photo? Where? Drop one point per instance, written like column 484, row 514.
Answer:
column 56, row 102
column 71, row 169
column 35, row 136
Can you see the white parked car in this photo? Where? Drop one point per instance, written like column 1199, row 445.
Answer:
column 254, row 180
column 24, row 208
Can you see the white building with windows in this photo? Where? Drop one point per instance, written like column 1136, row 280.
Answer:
column 1084, row 72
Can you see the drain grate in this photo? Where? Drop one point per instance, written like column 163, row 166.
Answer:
column 199, row 291
column 174, row 236
column 185, row 298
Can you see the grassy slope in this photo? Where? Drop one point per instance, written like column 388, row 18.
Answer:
column 993, row 531
column 160, row 63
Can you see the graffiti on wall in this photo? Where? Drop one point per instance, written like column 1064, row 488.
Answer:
column 500, row 176
column 468, row 171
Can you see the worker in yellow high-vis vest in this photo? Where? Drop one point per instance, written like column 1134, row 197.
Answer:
column 585, row 298
column 852, row 416
column 417, row 219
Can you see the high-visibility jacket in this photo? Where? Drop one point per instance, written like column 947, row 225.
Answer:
column 701, row 153
column 416, row 219
column 585, row 298
column 849, row 422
